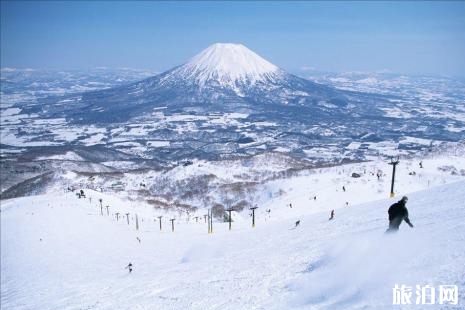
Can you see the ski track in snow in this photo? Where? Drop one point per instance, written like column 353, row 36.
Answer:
column 59, row 252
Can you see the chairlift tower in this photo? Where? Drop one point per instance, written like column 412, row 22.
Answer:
column 172, row 224
column 253, row 215
column 230, row 218
column 394, row 163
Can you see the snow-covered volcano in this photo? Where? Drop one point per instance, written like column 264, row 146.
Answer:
column 222, row 78
column 227, row 102
column 227, row 64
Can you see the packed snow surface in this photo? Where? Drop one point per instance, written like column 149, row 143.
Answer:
column 62, row 252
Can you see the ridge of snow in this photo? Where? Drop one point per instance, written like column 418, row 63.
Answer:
column 227, row 64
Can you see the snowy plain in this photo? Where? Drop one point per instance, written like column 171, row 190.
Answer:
column 60, row 252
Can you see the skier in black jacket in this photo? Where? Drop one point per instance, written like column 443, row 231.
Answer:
column 398, row 213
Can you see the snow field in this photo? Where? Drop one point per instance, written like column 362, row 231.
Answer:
column 59, row 252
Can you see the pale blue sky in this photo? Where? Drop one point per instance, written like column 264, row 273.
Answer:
column 413, row 37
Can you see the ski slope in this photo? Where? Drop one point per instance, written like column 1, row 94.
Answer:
column 59, row 252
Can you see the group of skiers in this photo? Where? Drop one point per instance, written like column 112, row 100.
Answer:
column 397, row 214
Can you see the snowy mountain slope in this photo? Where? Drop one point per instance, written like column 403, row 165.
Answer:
column 265, row 181
column 225, row 103
column 228, row 102
column 59, row 252
column 223, row 77
column 227, row 64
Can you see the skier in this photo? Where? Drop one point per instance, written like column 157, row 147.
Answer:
column 344, row 188
column 297, row 223
column 398, row 213
column 332, row 215
column 129, row 266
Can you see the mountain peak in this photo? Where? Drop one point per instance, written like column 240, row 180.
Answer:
column 228, row 63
